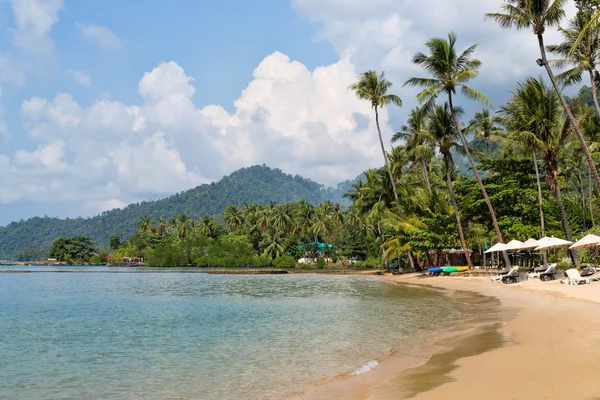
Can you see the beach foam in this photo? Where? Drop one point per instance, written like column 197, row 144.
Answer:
column 366, row 368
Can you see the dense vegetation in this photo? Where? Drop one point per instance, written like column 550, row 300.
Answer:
column 31, row 239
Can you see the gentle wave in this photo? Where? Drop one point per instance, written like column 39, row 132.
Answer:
column 366, row 368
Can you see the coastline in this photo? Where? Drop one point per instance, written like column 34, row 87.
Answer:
column 549, row 349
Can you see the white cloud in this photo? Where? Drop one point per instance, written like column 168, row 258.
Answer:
column 109, row 153
column 34, row 20
column 82, row 78
column 385, row 35
column 101, row 35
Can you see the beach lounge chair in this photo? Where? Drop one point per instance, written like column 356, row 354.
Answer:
column 539, row 271
column 505, row 273
column 511, row 277
column 548, row 272
column 574, row 278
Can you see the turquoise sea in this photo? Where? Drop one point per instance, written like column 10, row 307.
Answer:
column 197, row 336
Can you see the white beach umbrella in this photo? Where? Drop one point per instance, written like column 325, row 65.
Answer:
column 530, row 244
column 514, row 245
column 496, row 247
column 587, row 241
column 552, row 242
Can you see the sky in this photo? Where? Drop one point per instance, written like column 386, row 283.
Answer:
column 107, row 103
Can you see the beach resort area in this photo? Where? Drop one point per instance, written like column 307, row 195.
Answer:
column 300, row 199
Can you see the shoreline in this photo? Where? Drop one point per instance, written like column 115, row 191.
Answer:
column 553, row 341
column 424, row 362
column 549, row 349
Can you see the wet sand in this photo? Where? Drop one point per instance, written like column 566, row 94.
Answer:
column 546, row 346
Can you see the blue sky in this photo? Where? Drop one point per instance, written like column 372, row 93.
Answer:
column 110, row 102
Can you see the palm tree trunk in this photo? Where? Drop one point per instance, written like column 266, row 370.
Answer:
column 594, row 94
column 453, row 198
column 426, row 173
column 487, row 147
column 540, row 201
column 582, row 198
column 479, row 181
column 590, row 203
column 563, row 217
column 387, row 164
column 572, row 120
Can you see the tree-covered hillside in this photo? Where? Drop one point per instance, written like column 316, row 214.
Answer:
column 258, row 184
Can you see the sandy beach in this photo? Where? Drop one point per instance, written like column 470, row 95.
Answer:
column 550, row 349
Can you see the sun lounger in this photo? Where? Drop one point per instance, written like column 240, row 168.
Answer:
column 574, row 278
column 537, row 272
column 511, row 277
column 505, row 273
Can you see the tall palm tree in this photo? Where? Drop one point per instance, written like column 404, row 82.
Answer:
column 581, row 56
column 484, row 125
column 418, row 150
column 547, row 132
column 450, row 70
column 374, row 88
column 442, row 133
column 537, row 15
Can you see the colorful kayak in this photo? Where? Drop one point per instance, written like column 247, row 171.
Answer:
column 449, row 270
column 435, row 270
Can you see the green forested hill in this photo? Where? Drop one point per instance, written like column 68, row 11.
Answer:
column 257, row 184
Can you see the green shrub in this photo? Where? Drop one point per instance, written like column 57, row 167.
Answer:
column 370, row 262
column 284, row 262
column 320, row 262
column 564, row 265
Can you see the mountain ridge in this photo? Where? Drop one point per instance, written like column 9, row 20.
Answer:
column 255, row 184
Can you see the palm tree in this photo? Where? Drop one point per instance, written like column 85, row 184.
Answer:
column 145, row 224
column 273, row 245
column 583, row 56
column 546, row 132
column 449, row 71
column 442, row 133
column 484, row 125
column 233, row 217
column 537, row 15
column 162, row 227
column 184, row 228
column 418, row 150
column 374, row 88
column 208, row 226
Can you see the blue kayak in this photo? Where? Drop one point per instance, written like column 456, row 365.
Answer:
column 435, row 270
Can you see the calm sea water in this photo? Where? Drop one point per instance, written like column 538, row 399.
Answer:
column 198, row 336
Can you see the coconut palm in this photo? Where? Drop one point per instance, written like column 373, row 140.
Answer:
column 583, row 56
column 442, row 133
column 145, row 224
column 538, row 15
column 484, row 125
column 162, row 227
column 544, row 130
column 417, row 149
column 449, row 71
column 208, row 226
column 233, row 216
column 374, row 87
